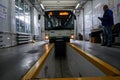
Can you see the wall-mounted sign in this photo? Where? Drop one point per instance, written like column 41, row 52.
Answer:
column 3, row 12
column 111, row 4
column 118, row 8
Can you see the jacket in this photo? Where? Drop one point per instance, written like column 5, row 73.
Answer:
column 107, row 19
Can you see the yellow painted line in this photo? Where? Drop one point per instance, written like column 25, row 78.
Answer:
column 35, row 70
column 103, row 66
column 86, row 78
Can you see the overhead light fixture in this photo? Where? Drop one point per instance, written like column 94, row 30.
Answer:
column 18, row 7
column 89, row 12
column 73, row 11
column 42, row 6
column 97, row 5
column 77, row 6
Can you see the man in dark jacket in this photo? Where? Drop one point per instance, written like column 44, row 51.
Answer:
column 107, row 22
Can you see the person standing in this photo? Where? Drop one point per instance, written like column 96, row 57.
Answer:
column 107, row 22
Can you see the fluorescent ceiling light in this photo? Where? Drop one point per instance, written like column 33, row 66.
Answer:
column 56, row 7
column 74, row 11
column 42, row 6
column 18, row 7
column 97, row 5
column 77, row 6
column 89, row 12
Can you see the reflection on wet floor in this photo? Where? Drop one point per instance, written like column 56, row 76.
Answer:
column 16, row 61
column 69, row 65
column 63, row 67
column 56, row 68
column 107, row 54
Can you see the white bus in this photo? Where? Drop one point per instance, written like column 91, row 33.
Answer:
column 59, row 25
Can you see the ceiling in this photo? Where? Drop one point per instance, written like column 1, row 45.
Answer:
column 57, row 4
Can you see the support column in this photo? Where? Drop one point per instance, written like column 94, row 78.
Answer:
column 83, row 24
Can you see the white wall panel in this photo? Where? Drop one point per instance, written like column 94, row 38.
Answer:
column 88, row 19
column 117, row 11
column 78, row 24
column 92, row 10
column 12, row 16
column 7, row 40
column 36, row 22
column 42, row 25
column 7, row 22
column 98, row 11
column 114, row 5
column 4, row 15
column 81, row 23
column 76, row 27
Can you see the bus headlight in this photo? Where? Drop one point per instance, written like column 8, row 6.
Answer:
column 46, row 37
column 72, row 36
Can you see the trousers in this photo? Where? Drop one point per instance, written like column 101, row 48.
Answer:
column 107, row 35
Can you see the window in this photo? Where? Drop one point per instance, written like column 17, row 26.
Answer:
column 22, row 11
column 59, row 20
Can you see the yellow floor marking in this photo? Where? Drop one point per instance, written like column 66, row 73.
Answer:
column 86, row 78
column 105, row 67
column 35, row 70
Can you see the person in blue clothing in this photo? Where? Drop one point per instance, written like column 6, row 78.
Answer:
column 107, row 22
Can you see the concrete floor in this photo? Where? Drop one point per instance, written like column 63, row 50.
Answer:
column 68, row 66
column 16, row 61
column 110, row 55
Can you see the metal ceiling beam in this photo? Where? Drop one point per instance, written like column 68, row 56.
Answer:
column 36, row 5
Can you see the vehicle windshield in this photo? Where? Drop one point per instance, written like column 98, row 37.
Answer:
column 59, row 20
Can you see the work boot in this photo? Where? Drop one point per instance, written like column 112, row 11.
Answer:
column 109, row 45
column 103, row 44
